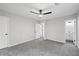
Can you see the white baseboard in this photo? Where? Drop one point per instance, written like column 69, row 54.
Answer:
column 58, row 40
column 20, row 43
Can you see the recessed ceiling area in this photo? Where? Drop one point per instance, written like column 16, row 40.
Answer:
column 23, row 9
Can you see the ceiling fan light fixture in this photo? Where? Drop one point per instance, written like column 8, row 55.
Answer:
column 40, row 15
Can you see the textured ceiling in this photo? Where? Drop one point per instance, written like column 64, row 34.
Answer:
column 23, row 9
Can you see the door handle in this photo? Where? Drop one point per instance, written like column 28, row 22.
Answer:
column 6, row 34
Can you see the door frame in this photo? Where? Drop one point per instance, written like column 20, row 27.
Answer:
column 42, row 29
column 75, row 31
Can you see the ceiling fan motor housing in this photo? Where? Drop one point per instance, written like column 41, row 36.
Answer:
column 40, row 11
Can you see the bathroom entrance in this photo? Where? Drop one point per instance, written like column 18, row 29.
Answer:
column 70, row 31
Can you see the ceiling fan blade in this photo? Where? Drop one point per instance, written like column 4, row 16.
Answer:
column 34, row 12
column 47, row 13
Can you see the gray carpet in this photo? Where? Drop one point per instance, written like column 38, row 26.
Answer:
column 41, row 48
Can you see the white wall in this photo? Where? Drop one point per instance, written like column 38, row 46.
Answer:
column 55, row 30
column 21, row 30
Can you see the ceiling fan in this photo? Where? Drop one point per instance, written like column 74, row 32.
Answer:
column 40, row 12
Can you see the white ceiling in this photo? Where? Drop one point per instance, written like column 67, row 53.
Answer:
column 23, row 9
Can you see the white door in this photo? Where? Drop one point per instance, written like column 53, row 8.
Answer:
column 38, row 31
column 43, row 30
column 3, row 32
column 74, row 34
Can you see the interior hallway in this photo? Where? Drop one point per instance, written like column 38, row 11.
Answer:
column 41, row 48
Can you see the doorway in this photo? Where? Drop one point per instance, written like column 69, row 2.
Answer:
column 70, row 31
column 40, row 30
